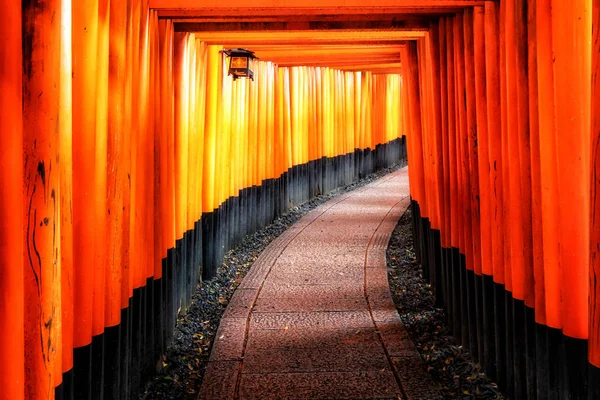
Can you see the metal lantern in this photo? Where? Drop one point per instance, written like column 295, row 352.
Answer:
column 240, row 61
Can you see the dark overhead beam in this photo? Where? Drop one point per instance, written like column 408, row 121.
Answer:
column 291, row 24
column 232, row 18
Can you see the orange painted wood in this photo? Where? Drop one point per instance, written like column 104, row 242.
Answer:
column 287, row 123
column 408, row 119
column 12, row 204
column 66, row 193
column 426, row 116
column 140, row 173
column 492, row 55
column 466, row 245
column 436, row 133
column 181, row 126
column 85, row 43
column 571, row 32
column 415, row 120
column 147, row 136
column 101, row 176
column 452, row 132
column 167, row 150
column 503, row 153
column 483, row 150
column 41, row 199
column 445, row 186
column 594, row 327
column 192, row 213
column 548, row 165
column 472, row 144
column 159, row 144
column 117, row 161
column 127, row 270
column 510, row 148
column 538, row 285
column 525, row 275
column 269, row 167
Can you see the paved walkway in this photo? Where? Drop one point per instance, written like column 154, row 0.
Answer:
column 314, row 319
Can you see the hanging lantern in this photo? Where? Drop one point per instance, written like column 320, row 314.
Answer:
column 240, row 62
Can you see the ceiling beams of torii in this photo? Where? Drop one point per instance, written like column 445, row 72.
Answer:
column 347, row 34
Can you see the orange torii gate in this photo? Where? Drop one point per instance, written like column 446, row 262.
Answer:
column 128, row 156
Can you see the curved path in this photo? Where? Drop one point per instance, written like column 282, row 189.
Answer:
column 314, row 318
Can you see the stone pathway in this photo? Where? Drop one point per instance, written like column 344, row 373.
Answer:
column 314, row 319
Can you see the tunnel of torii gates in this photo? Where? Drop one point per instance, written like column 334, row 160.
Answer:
column 130, row 162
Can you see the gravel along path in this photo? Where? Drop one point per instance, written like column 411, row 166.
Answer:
column 180, row 372
column 448, row 364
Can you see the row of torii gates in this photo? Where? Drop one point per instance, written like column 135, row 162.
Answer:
column 130, row 162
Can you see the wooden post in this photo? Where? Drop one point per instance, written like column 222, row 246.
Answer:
column 594, row 328
column 548, row 165
column 12, row 204
column 571, row 32
column 41, row 197
column 483, row 166
column 85, row 51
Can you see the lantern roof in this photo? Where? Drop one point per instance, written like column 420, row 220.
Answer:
column 239, row 52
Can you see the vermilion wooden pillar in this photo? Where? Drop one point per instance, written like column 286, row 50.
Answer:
column 594, row 328
column 524, row 147
column 12, row 204
column 445, row 179
column 436, row 133
column 472, row 107
column 101, row 174
column 41, row 197
column 452, row 129
column 483, row 166
column 412, row 78
column 536, row 185
column 66, row 188
column 462, row 142
column 494, row 134
column 548, row 165
column 85, row 41
column 571, row 30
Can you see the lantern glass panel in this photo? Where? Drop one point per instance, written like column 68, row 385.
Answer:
column 239, row 62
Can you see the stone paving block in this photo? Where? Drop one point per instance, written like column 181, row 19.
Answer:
column 303, row 255
column 376, row 258
column 321, row 319
column 325, row 276
column 306, row 241
column 416, row 382
column 378, row 293
column 321, row 359
column 241, row 303
column 340, row 230
column 382, row 304
column 229, row 341
column 312, row 337
column 380, row 240
column 377, row 279
column 223, row 378
column 298, row 304
column 311, row 290
column 330, row 385
column 386, row 315
column 299, row 273
column 395, row 337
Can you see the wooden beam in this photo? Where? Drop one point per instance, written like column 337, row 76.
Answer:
column 249, row 39
column 199, row 16
column 184, row 25
column 173, row 8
